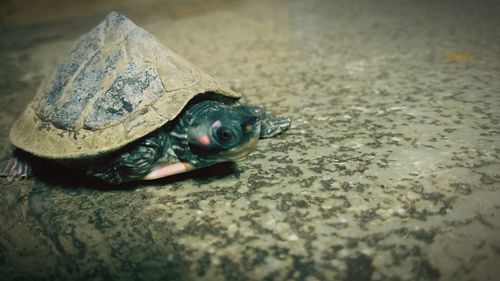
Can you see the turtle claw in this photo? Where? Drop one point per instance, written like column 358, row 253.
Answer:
column 273, row 125
column 17, row 168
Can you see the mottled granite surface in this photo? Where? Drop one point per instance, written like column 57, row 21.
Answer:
column 390, row 172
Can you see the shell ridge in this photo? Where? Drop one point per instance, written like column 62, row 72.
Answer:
column 65, row 92
column 72, row 100
column 62, row 93
column 104, row 85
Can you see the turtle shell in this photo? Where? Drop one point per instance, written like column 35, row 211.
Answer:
column 117, row 84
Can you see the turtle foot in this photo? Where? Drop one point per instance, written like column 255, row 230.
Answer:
column 274, row 125
column 17, row 168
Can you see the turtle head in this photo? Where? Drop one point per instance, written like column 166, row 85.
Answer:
column 223, row 133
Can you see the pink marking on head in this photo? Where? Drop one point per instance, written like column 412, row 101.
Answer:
column 205, row 140
column 217, row 124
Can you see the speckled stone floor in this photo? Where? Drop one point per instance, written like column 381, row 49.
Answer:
column 390, row 172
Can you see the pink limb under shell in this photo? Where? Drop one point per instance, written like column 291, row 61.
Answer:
column 169, row 170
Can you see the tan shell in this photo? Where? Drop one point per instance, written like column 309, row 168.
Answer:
column 118, row 84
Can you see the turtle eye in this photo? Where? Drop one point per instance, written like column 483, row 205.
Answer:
column 224, row 135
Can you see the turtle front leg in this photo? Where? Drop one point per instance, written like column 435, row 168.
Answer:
column 17, row 167
column 272, row 125
column 132, row 163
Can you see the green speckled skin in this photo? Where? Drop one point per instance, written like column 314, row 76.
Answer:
column 390, row 171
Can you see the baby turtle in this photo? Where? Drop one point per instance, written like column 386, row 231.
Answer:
column 123, row 107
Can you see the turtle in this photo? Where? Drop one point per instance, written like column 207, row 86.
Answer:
column 123, row 107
